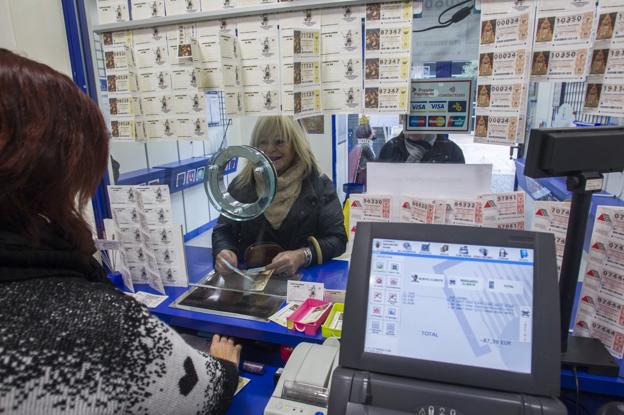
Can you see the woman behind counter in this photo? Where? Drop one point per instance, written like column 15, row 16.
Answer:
column 305, row 218
column 70, row 343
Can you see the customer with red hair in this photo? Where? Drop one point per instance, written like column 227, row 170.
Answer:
column 69, row 342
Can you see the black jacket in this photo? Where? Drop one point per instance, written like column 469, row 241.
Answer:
column 442, row 151
column 316, row 212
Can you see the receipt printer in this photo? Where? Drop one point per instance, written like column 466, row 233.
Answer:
column 303, row 388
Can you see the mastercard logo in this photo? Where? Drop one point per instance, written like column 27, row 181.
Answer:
column 437, row 121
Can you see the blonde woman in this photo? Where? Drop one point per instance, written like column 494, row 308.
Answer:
column 305, row 218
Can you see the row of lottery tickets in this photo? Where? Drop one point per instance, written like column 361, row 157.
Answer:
column 299, row 63
column 152, row 250
column 496, row 210
column 546, row 40
column 601, row 307
column 117, row 11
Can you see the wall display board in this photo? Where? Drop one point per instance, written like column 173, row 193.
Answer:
column 604, row 94
column 563, row 38
column 502, row 90
column 387, row 57
column 299, row 63
column 440, row 105
column 601, row 308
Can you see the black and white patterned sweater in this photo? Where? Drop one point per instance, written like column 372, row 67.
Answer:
column 71, row 344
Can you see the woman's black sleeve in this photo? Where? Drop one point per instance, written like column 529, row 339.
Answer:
column 331, row 235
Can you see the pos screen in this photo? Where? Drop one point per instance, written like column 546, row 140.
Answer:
column 456, row 303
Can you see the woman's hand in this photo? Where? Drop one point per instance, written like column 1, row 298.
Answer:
column 228, row 256
column 225, row 349
column 287, row 262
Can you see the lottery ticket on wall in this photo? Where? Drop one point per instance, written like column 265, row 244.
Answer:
column 259, row 52
column 552, row 217
column 601, row 305
column 503, row 72
column 147, row 9
column 211, row 5
column 502, row 210
column 563, row 37
column 112, row 11
column 232, row 82
column 387, row 58
column 306, row 73
column 341, row 60
column 604, row 94
column 176, row 7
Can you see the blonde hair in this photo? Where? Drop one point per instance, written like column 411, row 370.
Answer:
column 289, row 130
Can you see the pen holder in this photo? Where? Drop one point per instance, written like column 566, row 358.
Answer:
column 325, row 328
column 294, row 323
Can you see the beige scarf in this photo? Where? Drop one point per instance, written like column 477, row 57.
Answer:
column 288, row 189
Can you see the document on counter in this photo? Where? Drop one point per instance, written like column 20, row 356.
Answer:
column 150, row 300
column 282, row 314
column 242, row 382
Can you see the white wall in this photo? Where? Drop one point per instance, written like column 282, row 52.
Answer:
column 35, row 29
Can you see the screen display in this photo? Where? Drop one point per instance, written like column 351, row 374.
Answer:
column 463, row 304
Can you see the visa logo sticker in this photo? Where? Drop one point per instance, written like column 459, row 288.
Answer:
column 457, row 106
column 437, row 106
column 419, row 106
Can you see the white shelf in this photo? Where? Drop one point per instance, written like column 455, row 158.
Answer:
column 291, row 6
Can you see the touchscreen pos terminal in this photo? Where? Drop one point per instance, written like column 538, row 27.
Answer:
column 449, row 320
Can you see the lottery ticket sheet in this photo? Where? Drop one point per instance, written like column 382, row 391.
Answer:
column 552, row 217
column 601, row 307
column 563, row 38
column 503, row 74
column 387, row 56
column 604, row 93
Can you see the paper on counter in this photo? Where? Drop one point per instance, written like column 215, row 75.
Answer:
column 242, row 382
column 150, row 300
column 336, row 323
column 281, row 316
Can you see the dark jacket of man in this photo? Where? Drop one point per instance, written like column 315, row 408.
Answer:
column 442, row 151
column 316, row 213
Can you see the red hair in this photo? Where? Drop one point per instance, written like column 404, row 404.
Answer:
column 53, row 151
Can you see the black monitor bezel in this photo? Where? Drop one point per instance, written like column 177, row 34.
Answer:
column 545, row 356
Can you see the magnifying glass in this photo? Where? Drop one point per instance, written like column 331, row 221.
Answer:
column 264, row 175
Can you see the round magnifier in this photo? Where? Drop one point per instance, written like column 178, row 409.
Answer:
column 264, row 175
